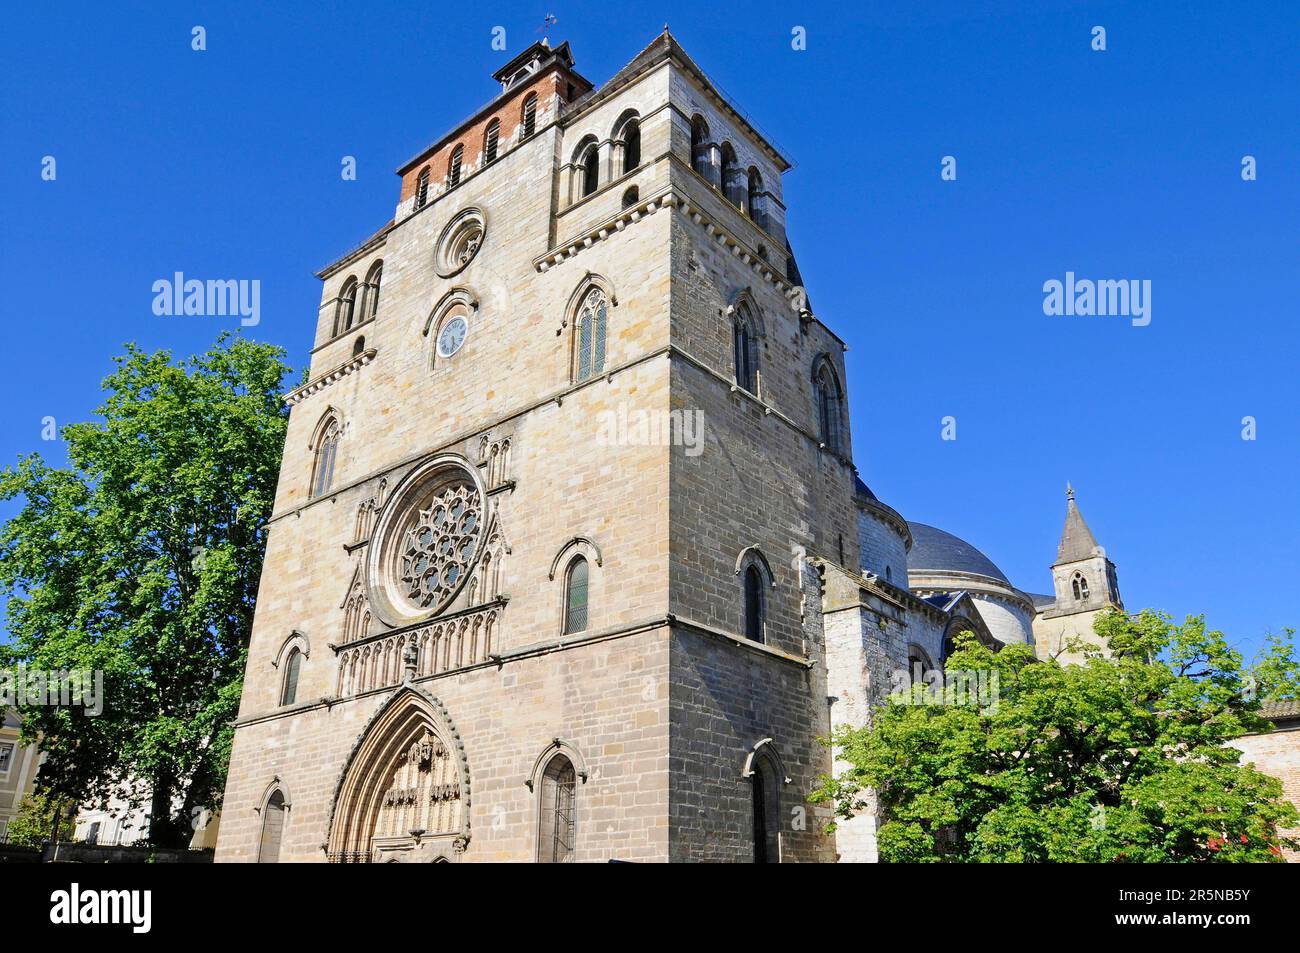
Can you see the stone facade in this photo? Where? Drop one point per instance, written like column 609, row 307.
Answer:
column 19, row 764
column 432, row 734
column 569, row 559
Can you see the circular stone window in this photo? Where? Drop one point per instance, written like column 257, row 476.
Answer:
column 452, row 336
column 460, row 242
column 426, row 543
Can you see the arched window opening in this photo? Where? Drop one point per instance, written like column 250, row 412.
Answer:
column 359, row 346
column 745, row 348
column 422, row 189
column 828, row 409
column 557, row 828
column 754, row 199
column 590, row 170
column 591, row 331
column 631, row 197
column 326, row 452
column 700, row 146
column 575, row 596
column 754, row 607
column 728, row 171
column 529, row 116
column 631, row 145
column 453, row 167
column 268, row 851
column 766, row 809
column 345, row 311
column 292, row 668
column 371, row 300
column 490, row 141
column 1080, row 586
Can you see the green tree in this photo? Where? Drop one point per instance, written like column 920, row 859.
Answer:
column 1117, row 759
column 34, row 823
column 141, row 560
column 1276, row 672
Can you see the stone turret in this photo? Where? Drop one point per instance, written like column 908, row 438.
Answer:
column 1085, row 584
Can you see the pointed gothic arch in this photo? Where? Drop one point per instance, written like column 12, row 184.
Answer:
column 554, row 782
column 324, row 447
column 765, row 770
column 747, row 332
column 356, row 609
column 828, row 399
column 273, row 809
column 404, row 793
column 589, row 313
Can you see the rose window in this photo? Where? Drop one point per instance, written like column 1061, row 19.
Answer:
column 438, row 548
column 460, row 242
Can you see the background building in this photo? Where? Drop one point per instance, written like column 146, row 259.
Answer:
column 18, row 766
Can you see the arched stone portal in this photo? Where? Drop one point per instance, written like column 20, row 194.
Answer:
column 404, row 794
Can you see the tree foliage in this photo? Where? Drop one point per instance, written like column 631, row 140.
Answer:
column 1119, row 759
column 140, row 559
column 1275, row 676
column 34, row 822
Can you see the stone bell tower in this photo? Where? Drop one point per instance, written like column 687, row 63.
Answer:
column 1085, row 584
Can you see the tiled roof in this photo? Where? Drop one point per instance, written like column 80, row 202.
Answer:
column 1280, row 710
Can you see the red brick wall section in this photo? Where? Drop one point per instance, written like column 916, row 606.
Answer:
column 510, row 112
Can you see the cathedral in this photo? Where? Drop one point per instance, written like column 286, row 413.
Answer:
column 492, row 627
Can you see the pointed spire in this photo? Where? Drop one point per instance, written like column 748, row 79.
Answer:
column 1077, row 541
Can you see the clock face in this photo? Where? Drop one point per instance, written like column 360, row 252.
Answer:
column 452, row 336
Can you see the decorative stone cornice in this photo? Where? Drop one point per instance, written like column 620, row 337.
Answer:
column 951, row 580
column 330, row 376
column 669, row 198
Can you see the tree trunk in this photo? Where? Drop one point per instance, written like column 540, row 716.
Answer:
column 163, row 829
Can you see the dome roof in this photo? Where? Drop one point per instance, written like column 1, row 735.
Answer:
column 936, row 552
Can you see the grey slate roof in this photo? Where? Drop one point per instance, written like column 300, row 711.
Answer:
column 936, row 550
column 1077, row 541
column 944, row 601
column 1040, row 600
column 864, row 490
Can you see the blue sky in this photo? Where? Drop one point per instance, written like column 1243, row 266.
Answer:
column 1117, row 164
